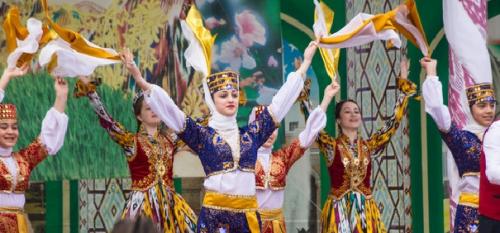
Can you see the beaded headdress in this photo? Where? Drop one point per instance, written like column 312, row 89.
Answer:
column 8, row 111
column 482, row 92
column 225, row 80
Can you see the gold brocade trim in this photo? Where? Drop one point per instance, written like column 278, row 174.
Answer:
column 271, row 214
column 21, row 217
column 12, row 209
column 471, row 174
column 469, row 199
column 184, row 126
column 229, row 202
column 338, row 197
column 273, row 220
column 222, row 80
column 227, row 170
column 12, row 192
column 247, row 169
column 269, row 187
column 276, row 122
column 480, row 93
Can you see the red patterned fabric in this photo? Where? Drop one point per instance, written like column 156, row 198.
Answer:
column 348, row 173
column 151, row 161
column 8, row 223
column 281, row 162
column 26, row 159
column 489, row 194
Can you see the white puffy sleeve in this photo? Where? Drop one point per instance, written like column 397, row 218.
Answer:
column 54, row 127
column 491, row 147
column 286, row 96
column 315, row 123
column 166, row 109
column 434, row 106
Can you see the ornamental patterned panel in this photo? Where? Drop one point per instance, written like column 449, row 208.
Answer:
column 372, row 72
column 101, row 203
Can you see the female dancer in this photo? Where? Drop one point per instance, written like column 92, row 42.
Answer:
column 272, row 167
column 227, row 153
column 16, row 167
column 350, row 207
column 464, row 144
column 150, row 156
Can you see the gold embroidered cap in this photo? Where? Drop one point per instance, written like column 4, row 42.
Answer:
column 225, row 80
column 8, row 111
column 482, row 92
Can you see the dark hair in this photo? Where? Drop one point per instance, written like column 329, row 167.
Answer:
column 141, row 224
column 339, row 105
column 137, row 110
column 338, row 108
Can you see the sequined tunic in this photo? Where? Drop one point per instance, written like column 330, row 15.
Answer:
column 26, row 160
column 217, row 157
column 207, row 143
column 150, row 161
column 465, row 147
column 350, row 206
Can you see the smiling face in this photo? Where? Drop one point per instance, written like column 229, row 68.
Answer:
column 8, row 133
column 226, row 102
column 483, row 113
column 348, row 115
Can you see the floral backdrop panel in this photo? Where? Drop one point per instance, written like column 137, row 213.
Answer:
column 248, row 41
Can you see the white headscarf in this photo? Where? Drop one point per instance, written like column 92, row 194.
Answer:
column 226, row 126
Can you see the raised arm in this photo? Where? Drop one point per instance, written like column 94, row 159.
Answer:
column 292, row 152
column 7, row 75
column 117, row 132
column 288, row 93
column 317, row 119
column 191, row 133
column 379, row 139
column 54, row 127
column 433, row 96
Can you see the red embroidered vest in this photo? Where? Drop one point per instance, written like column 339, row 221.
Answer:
column 348, row 173
column 26, row 160
column 151, row 162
